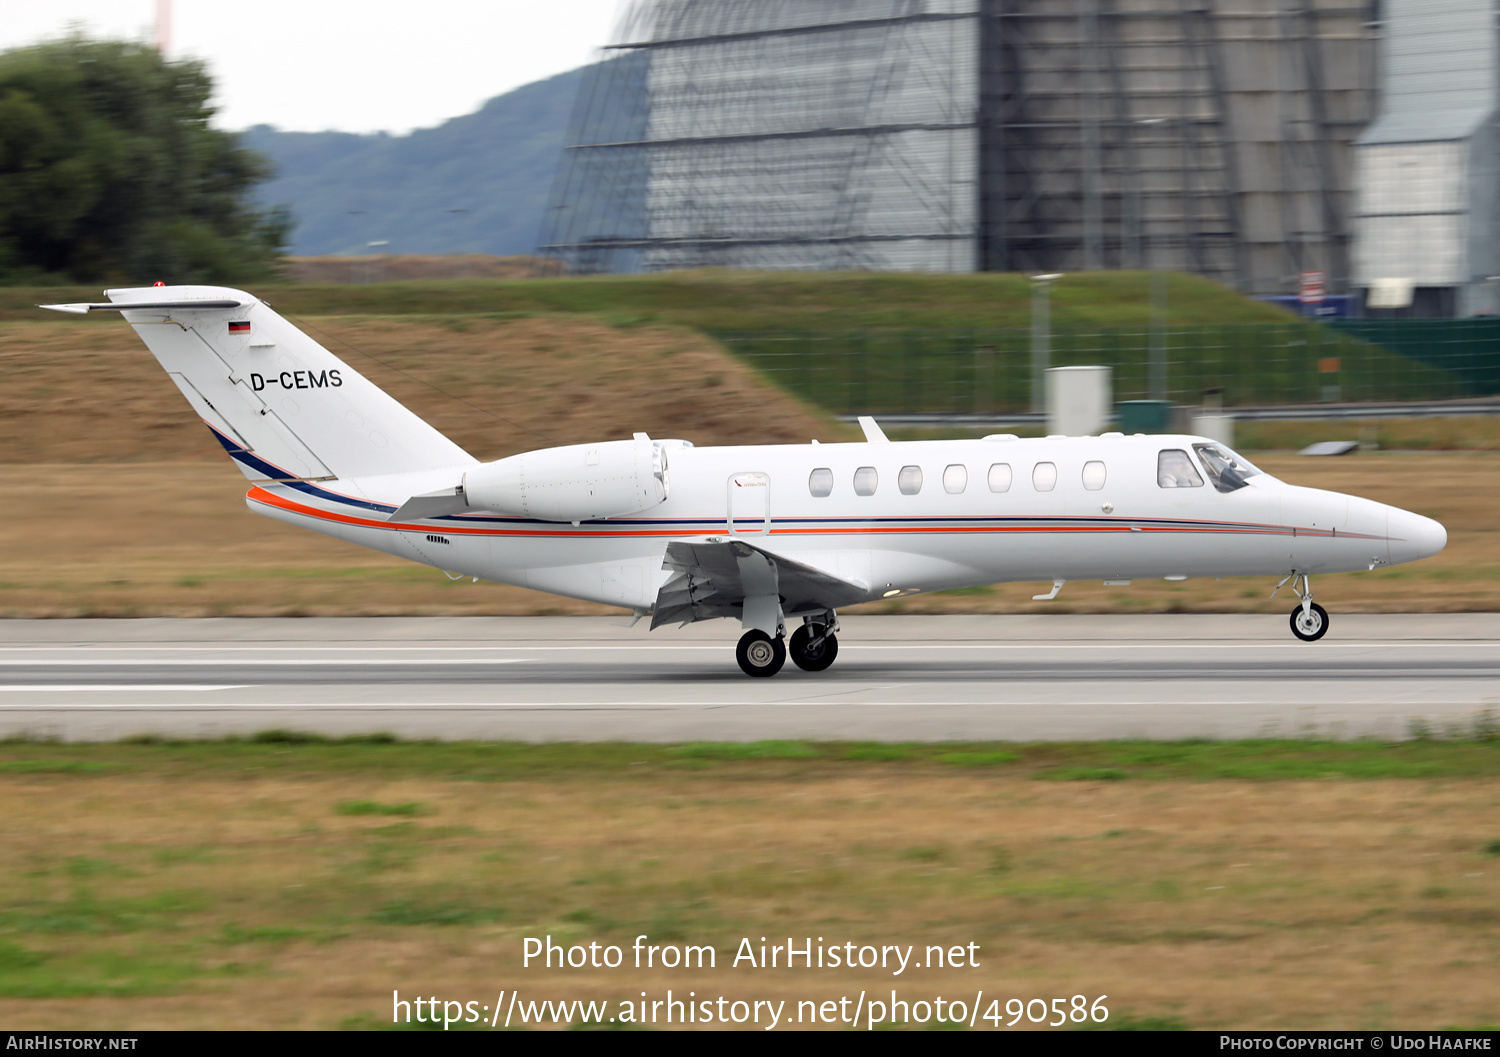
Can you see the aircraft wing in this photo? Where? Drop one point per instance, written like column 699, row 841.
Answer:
column 713, row 579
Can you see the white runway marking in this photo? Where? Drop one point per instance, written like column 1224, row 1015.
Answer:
column 113, row 688
column 948, row 678
column 126, row 662
column 1176, row 647
column 567, row 706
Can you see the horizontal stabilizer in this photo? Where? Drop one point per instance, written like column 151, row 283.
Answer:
column 708, row 583
column 432, row 504
column 82, row 308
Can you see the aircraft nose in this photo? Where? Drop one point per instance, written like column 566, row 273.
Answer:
column 1414, row 536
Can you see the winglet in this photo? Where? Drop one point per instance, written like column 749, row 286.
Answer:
column 873, row 433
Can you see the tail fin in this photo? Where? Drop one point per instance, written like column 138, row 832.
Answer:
column 283, row 406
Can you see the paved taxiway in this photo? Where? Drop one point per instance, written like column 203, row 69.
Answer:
column 897, row 678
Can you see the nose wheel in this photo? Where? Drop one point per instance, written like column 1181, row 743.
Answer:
column 1310, row 624
column 1309, row 620
column 759, row 654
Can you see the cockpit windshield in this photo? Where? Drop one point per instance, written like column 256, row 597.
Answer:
column 1226, row 470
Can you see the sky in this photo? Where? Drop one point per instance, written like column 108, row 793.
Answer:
column 352, row 65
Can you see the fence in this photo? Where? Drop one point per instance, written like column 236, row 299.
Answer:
column 984, row 372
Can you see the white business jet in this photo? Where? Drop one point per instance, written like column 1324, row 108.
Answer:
column 774, row 535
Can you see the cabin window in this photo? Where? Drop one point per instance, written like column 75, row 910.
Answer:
column 909, row 480
column 1175, row 470
column 865, row 480
column 955, row 478
column 1093, row 475
column 820, row 482
column 1225, row 469
column 1000, row 477
column 1044, row 476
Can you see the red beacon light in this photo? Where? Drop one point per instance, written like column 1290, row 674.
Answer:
column 158, row 283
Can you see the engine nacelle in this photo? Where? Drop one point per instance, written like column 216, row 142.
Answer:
column 579, row 482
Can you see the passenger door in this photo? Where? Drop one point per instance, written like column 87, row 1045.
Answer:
column 749, row 504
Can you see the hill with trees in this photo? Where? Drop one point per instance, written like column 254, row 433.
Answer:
column 475, row 184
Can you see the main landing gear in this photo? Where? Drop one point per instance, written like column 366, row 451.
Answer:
column 1309, row 620
column 759, row 654
column 813, row 648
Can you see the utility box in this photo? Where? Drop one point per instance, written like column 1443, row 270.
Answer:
column 1215, row 425
column 1078, row 400
column 1144, row 416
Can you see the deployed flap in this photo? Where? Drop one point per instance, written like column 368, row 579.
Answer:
column 709, row 582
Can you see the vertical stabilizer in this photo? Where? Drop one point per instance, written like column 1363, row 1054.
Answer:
column 283, row 406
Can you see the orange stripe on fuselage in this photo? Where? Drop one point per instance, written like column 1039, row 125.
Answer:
column 260, row 495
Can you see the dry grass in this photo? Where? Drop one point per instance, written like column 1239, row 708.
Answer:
column 158, row 900
column 155, row 524
column 403, row 267
column 85, row 393
column 1455, row 433
column 176, row 540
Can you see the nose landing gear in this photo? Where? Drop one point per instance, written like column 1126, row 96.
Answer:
column 1309, row 620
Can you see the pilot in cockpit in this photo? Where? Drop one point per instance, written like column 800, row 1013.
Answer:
column 1175, row 470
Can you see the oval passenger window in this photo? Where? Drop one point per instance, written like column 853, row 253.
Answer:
column 1093, row 475
column 1044, row 476
column 909, row 480
column 1000, row 477
column 820, row 482
column 955, row 479
column 865, row 480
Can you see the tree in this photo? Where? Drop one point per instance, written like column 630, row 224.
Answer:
column 110, row 172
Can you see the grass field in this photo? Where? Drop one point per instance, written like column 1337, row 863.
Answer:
column 983, row 370
column 175, row 539
column 156, row 524
column 280, row 883
column 290, row 882
column 90, row 394
column 713, row 301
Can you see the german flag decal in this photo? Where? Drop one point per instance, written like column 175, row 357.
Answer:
column 239, row 327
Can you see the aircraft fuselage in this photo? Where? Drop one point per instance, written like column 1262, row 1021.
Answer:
column 932, row 520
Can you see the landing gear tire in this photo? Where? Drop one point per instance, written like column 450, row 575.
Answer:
column 813, row 658
column 759, row 654
column 1313, row 626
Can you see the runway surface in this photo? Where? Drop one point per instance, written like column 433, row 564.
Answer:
column 897, row 678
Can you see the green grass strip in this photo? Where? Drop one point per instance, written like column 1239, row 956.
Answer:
column 1473, row 752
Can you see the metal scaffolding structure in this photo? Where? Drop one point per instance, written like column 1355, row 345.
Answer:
column 1207, row 136
column 775, row 134
column 1428, row 168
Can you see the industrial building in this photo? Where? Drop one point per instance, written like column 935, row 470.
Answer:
column 1248, row 141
